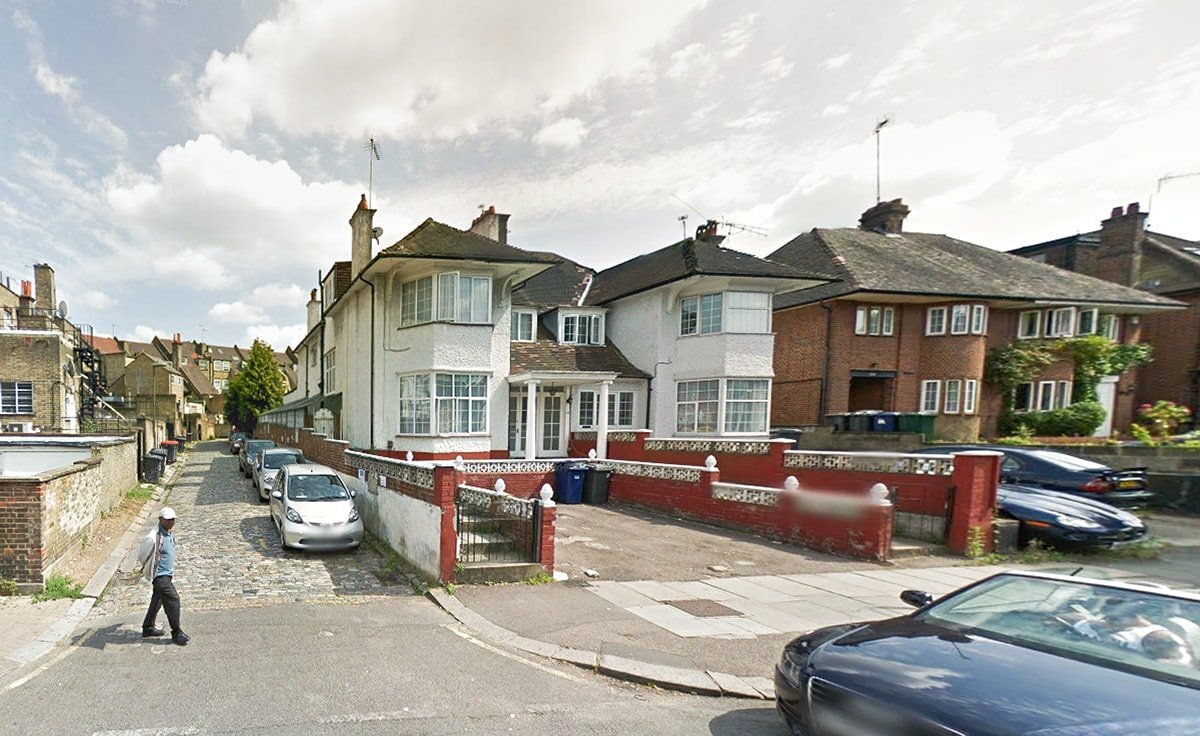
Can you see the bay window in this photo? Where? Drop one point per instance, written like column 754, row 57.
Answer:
column 746, row 405
column 931, row 392
column 970, row 396
column 960, row 319
column 696, row 406
column 701, row 315
column 416, row 302
column 749, row 311
column 415, row 413
column 953, row 396
column 1030, row 325
column 465, row 299
column 730, row 405
column 443, row 403
column 935, row 321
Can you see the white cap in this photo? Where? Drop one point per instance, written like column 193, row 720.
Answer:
column 166, row 513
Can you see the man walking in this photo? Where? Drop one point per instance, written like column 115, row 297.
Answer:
column 157, row 558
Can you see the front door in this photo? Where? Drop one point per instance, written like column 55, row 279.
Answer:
column 551, row 434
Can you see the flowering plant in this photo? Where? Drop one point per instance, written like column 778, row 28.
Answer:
column 1162, row 417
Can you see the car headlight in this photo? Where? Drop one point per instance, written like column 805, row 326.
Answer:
column 1074, row 522
column 292, row 515
column 353, row 514
column 791, row 664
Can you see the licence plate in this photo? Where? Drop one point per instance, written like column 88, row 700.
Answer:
column 1129, row 484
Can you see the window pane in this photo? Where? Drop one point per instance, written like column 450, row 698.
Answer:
column 706, row 416
column 874, row 321
column 587, row 409
column 445, row 384
column 958, row 319
column 569, row 329
column 889, row 318
column 685, row 418
column 748, row 311
column 860, row 321
column 447, row 295
column 688, row 316
column 478, row 386
column 969, row 396
column 953, row 395
column 710, row 314
column 481, row 305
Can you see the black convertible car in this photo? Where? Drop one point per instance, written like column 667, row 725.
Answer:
column 1058, row 471
column 1066, row 522
column 1016, row 653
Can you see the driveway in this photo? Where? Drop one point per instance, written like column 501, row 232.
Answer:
column 623, row 543
column 229, row 554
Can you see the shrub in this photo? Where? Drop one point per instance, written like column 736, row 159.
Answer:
column 1162, row 417
column 59, row 586
column 1077, row 420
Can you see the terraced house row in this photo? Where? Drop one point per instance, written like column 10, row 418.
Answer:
column 455, row 342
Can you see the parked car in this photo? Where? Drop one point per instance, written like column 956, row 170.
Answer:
column 1016, row 653
column 1059, row 471
column 236, row 440
column 271, row 460
column 249, row 454
column 1066, row 521
column 312, row 508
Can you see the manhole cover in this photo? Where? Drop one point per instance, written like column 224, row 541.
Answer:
column 703, row 608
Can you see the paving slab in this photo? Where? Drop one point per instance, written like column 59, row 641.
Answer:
column 750, row 590
column 733, row 685
column 620, row 594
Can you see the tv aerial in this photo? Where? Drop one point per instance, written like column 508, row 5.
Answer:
column 733, row 227
column 372, row 149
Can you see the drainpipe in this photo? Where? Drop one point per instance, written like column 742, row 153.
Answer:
column 371, row 392
column 321, row 325
column 823, row 404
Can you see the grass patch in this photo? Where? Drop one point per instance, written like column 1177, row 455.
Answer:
column 59, row 586
column 1036, row 553
column 541, row 578
column 140, row 493
column 8, row 587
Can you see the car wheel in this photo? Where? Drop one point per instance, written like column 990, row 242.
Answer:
column 282, row 542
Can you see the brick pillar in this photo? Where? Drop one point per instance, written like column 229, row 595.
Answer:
column 445, row 483
column 976, row 479
column 546, row 553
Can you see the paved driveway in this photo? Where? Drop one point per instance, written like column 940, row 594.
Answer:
column 229, row 554
column 623, row 543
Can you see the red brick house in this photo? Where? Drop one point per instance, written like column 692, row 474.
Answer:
column 910, row 319
column 1125, row 252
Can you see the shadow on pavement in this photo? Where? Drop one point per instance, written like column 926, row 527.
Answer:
column 759, row 721
column 116, row 635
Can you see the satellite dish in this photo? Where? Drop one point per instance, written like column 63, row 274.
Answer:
column 62, row 310
column 69, row 368
column 376, row 232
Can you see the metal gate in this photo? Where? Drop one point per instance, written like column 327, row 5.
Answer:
column 495, row 527
column 923, row 513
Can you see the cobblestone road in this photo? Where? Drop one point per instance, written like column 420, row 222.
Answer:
column 229, row 554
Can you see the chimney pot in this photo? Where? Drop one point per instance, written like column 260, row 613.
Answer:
column 362, row 202
column 312, row 296
column 177, row 339
column 1133, row 208
column 886, row 217
column 27, row 289
column 1117, row 212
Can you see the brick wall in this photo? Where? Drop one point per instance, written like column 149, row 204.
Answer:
column 21, row 529
column 1171, row 376
column 316, row 447
column 39, row 359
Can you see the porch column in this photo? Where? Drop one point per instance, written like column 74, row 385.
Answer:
column 602, row 424
column 531, row 433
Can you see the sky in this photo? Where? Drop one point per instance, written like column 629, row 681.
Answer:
column 190, row 166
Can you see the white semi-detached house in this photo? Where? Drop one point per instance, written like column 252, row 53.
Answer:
column 454, row 342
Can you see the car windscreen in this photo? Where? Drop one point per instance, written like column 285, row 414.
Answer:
column 1152, row 634
column 276, row 460
column 253, row 446
column 316, row 488
column 238, row 436
column 1070, row 462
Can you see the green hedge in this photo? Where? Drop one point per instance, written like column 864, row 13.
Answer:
column 1077, row 420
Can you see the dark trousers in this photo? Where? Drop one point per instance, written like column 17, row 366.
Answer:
column 166, row 598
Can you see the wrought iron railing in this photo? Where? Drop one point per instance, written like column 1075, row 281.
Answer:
column 496, row 527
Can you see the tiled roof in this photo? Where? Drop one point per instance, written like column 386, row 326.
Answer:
column 433, row 239
column 198, row 380
column 106, row 345
column 560, row 285
column 937, row 265
column 546, row 354
column 133, row 348
column 689, row 257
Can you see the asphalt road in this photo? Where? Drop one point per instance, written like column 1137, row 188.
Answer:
column 392, row 666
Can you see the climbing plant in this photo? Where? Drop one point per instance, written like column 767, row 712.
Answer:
column 1008, row 366
column 1095, row 357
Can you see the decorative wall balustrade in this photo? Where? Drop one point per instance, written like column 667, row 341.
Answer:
column 686, row 473
column 756, row 495
column 871, row 462
column 414, row 474
column 730, row 447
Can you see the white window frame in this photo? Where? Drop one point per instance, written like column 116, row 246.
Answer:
column 1022, row 333
column 931, row 403
column 585, row 329
column 953, row 403
column 615, row 399
column 694, row 428
column 758, row 312
column 1109, row 325
column 929, row 330
column 1055, row 319
column 1062, row 395
column 888, row 322
column 16, row 397
column 860, row 321
column 1031, row 396
column 454, row 399
column 1094, row 328
column 587, row 400
column 452, row 307
column 415, row 310
column 1045, row 396
column 414, row 402
column 727, row 401
column 518, row 316
column 970, row 396
column 699, row 327
column 960, row 313
column 330, row 371
column 979, row 318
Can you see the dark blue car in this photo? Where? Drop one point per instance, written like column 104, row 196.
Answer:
column 1058, row 471
column 1065, row 521
column 1017, row 653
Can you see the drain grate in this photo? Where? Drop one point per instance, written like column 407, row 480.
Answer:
column 704, row 608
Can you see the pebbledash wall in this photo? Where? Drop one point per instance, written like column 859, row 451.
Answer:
column 45, row 516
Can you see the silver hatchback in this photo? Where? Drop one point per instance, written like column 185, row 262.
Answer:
column 313, row 509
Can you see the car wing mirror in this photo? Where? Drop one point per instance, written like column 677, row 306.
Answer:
column 353, row 493
column 916, row 598
column 276, row 494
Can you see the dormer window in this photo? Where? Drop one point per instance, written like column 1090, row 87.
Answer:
column 582, row 329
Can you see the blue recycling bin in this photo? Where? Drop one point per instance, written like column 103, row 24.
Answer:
column 885, row 421
column 568, row 487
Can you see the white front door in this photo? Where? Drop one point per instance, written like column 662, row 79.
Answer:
column 1106, row 394
column 551, row 435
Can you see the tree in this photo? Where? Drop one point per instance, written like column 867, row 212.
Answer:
column 256, row 389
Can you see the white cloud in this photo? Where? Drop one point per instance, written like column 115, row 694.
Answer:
column 190, row 267
column 737, row 37
column 563, row 133
column 93, row 299
column 237, row 312
column 278, row 336
column 836, row 62
column 279, row 295
column 691, row 60
column 65, row 87
column 834, row 110
column 297, row 72
column 142, row 333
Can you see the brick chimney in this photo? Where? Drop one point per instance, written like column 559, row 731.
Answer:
column 885, row 217
column 1119, row 257
column 491, row 224
column 708, row 232
column 25, row 302
column 360, row 237
column 43, row 277
column 176, row 350
column 314, row 310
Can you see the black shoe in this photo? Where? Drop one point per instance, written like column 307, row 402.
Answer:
column 147, row 633
column 181, row 639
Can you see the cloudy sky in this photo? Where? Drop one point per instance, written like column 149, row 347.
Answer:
column 189, row 166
